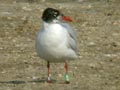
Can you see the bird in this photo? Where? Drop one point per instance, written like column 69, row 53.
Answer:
column 56, row 41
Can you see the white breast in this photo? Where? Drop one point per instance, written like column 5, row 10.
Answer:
column 51, row 43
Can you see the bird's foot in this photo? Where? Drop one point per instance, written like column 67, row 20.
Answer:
column 49, row 80
column 67, row 79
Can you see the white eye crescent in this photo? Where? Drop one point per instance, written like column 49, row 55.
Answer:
column 55, row 13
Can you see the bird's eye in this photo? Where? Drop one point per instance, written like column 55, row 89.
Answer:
column 55, row 13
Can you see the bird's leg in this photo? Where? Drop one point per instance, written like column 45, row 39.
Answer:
column 66, row 74
column 49, row 75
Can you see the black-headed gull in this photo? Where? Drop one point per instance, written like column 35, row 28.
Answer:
column 56, row 40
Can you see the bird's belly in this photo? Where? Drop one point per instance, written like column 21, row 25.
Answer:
column 51, row 48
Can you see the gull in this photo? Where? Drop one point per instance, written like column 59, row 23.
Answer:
column 56, row 41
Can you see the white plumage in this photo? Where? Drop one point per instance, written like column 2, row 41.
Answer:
column 56, row 40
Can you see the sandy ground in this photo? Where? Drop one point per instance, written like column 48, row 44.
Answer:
column 97, row 24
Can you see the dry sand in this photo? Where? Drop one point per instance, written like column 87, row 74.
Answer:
column 97, row 23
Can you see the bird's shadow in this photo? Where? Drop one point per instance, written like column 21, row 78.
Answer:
column 24, row 82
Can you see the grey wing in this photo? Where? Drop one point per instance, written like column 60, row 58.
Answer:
column 72, row 44
column 72, row 40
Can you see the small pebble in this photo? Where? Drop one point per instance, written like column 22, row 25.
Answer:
column 34, row 77
column 89, row 6
column 75, row 67
column 91, row 43
column 3, row 72
column 26, row 8
column 60, row 75
column 92, row 65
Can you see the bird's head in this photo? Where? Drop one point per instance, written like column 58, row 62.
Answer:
column 54, row 15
